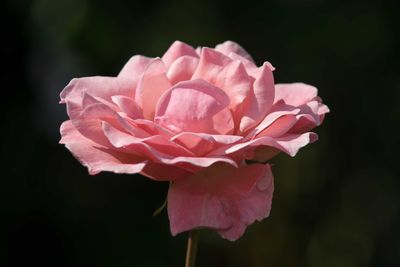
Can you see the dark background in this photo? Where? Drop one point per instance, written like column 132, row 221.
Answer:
column 335, row 204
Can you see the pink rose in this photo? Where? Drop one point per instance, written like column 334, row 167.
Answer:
column 193, row 117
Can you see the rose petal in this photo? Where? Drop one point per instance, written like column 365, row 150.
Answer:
column 200, row 143
column 195, row 106
column 236, row 83
column 128, row 106
column 260, row 100
column 89, row 122
column 228, row 47
column 249, row 64
column 295, row 94
column 221, row 197
column 288, row 143
column 134, row 68
column 229, row 75
column 176, row 50
column 97, row 86
column 162, row 172
column 98, row 158
column 151, row 86
column 273, row 116
column 159, row 151
column 182, row 69
column 157, row 143
column 279, row 127
column 210, row 65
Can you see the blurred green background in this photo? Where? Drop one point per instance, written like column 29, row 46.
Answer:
column 335, row 204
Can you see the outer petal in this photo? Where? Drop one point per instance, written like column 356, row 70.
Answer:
column 98, row 158
column 162, row 172
column 195, row 106
column 159, row 150
column 97, row 86
column 288, row 143
column 228, row 47
column 295, row 94
column 303, row 96
column 151, row 86
column 221, row 197
column 176, row 50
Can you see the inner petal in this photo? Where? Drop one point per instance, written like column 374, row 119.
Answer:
column 195, row 106
column 151, row 86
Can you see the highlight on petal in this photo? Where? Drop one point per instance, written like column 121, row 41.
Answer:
column 176, row 50
column 221, row 197
column 98, row 158
column 195, row 106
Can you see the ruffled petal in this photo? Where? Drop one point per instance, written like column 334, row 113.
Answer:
column 158, row 150
column 98, row 158
column 303, row 96
column 158, row 143
column 221, row 197
column 195, row 106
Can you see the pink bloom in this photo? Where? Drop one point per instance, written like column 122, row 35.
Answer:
column 193, row 117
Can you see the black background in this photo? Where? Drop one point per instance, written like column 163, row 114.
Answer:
column 336, row 203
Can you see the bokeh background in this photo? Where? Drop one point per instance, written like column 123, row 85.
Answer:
column 335, row 204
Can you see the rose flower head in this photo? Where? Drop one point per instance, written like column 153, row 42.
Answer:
column 193, row 117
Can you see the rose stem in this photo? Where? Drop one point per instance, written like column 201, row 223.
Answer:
column 192, row 248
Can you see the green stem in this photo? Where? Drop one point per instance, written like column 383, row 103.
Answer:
column 191, row 250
